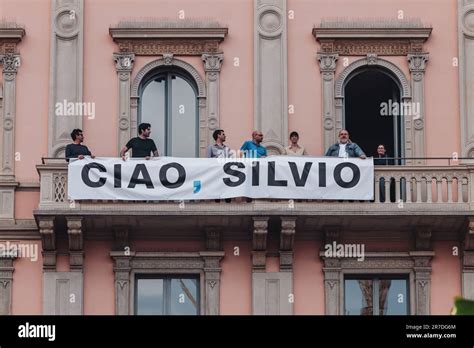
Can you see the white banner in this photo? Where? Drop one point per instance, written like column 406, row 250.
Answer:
column 172, row 178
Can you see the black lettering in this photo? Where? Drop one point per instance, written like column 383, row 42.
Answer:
column 140, row 168
column 271, row 176
column 181, row 175
column 85, row 175
column 355, row 178
column 255, row 173
column 300, row 181
column 228, row 170
column 322, row 174
column 117, row 175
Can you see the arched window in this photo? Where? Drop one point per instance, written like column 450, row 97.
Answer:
column 168, row 101
column 373, row 113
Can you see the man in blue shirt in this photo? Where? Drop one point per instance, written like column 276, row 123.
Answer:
column 252, row 148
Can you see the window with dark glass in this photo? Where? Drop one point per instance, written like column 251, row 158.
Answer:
column 371, row 295
column 168, row 101
column 169, row 295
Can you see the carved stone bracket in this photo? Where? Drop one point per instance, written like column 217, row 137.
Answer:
column 287, row 238
column 423, row 238
column 213, row 238
column 6, row 283
column 76, row 243
column 260, row 232
column 121, row 238
column 48, row 239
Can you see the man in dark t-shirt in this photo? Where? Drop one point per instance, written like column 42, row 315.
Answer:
column 141, row 146
column 76, row 149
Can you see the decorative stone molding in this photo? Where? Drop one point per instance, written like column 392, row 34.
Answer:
column 206, row 264
column 270, row 75
column 207, row 120
column 415, row 264
column 48, row 239
column 362, row 37
column 417, row 66
column 66, row 70
column 465, row 14
column 121, row 238
column 467, row 257
column 260, row 232
column 327, row 67
column 10, row 36
column 213, row 238
column 6, row 283
column 423, row 238
column 414, row 135
column 76, row 243
column 212, row 66
column 287, row 239
column 124, row 66
column 160, row 36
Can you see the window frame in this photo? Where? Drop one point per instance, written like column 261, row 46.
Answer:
column 166, row 72
column 167, row 278
column 376, row 277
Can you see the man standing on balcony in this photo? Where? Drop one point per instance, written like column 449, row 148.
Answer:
column 76, row 149
column 345, row 147
column 253, row 148
column 141, row 146
column 219, row 149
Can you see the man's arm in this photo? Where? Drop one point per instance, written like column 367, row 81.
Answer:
column 328, row 152
column 122, row 152
column 209, row 151
column 358, row 151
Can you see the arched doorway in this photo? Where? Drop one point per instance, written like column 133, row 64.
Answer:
column 370, row 114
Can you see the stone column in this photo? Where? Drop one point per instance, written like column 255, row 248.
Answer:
column 332, row 109
column 270, row 73
column 10, row 63
column 66, row 71
column 332, row 274
column 417, row 65
column 6, row 282
column 124, row 66
column 466, row 74
column 212, row 278
column 422, row 268
column 467, row 277
column 212, row 67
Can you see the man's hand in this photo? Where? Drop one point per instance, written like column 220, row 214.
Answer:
column 362, row 157
column 124, row 158
column 92, row 156
column 80, row 156
column 147, row 157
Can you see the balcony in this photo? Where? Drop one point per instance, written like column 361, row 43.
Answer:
column 438, row 197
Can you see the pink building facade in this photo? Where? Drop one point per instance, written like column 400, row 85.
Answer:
column 192, row 67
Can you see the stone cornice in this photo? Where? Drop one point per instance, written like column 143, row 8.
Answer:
column 168, row 33
column 360, row 41
column 372, row 33
column 152, row 41
column 9, row 38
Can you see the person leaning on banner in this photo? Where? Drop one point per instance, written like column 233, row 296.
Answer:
column 294, row 149
column 253, row 148
column 141, row 146
column 345, row 147
column 219, row 149
column 76, row 149
column 382, row 160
